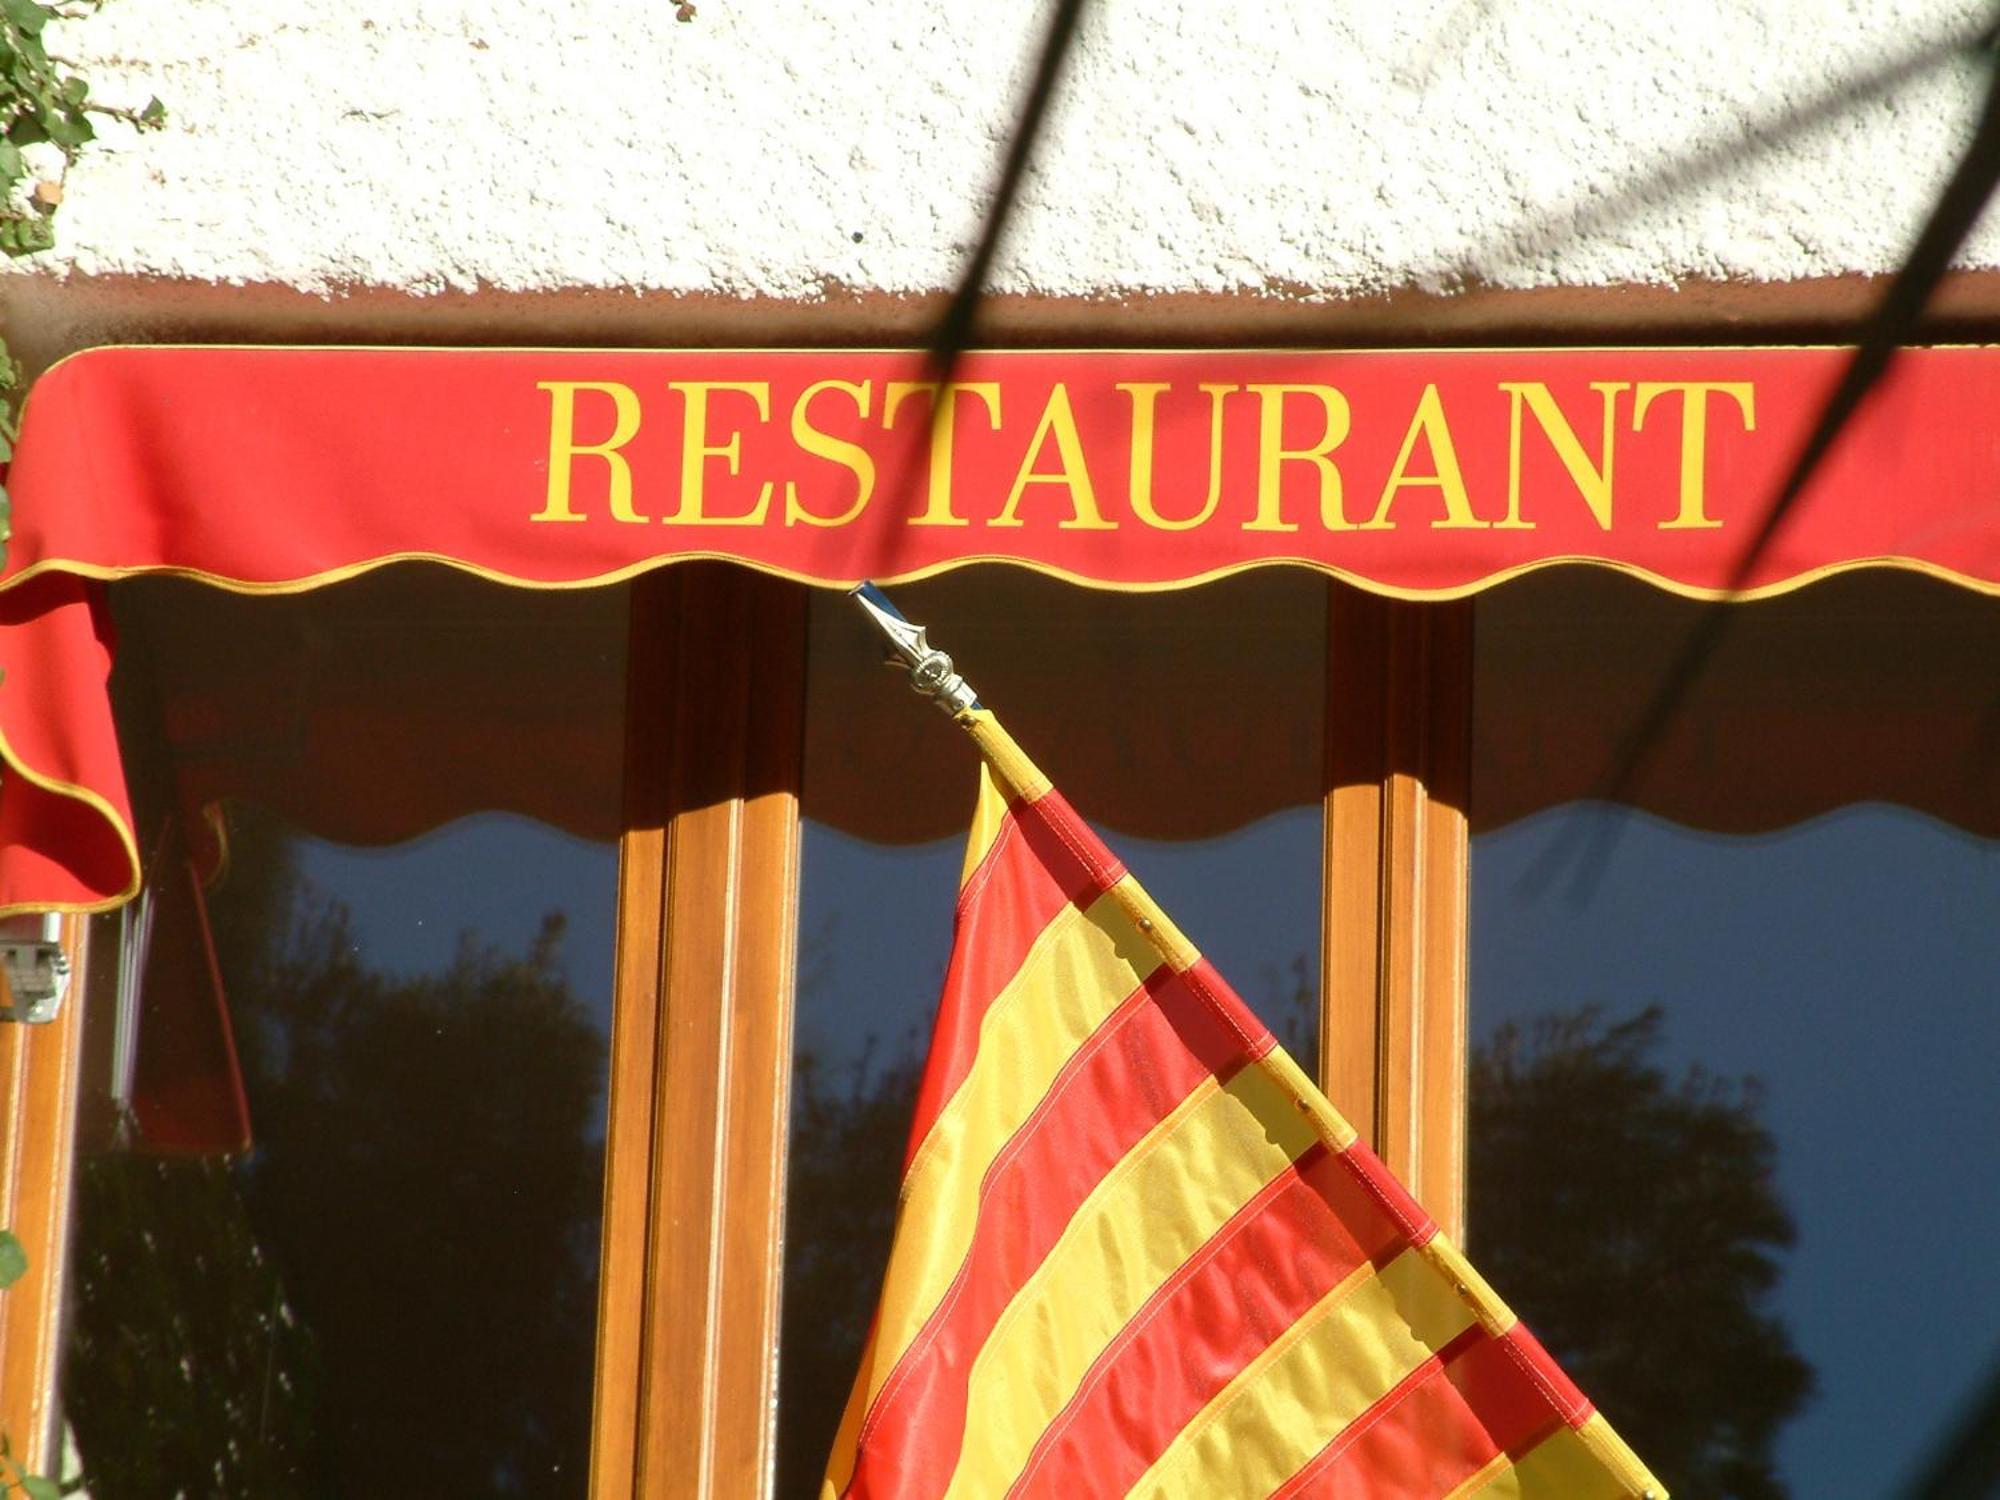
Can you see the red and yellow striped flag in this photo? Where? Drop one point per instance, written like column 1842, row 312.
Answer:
column 1138, row 1253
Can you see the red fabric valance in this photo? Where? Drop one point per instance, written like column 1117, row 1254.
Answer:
column 1421, row 474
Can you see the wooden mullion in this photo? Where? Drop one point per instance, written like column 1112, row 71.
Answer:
column 760, row 1000
column 631, row 1093
column 710, row 870
column 1447, row 928
column 1392, row 1048
column 1350, row 1010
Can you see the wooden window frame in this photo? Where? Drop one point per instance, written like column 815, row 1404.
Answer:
column 1396, row 886
column 699, row 1088
column 709, row 901
column 701, row 1037
column 40, row 1066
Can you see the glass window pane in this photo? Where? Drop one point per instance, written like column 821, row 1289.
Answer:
column 393, row 1289
column 1732, row 1123
column 1186, row 727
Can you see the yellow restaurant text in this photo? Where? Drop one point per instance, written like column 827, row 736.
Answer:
column 1291, row 473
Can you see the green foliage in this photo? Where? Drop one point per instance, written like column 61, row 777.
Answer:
column 13, row 1259
column 15, row 1480
column 41, row 99
column 10, row 383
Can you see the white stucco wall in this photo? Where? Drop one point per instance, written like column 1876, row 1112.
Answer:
column 1325, row 148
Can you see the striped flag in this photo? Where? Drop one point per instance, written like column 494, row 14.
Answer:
column 1138, row 1253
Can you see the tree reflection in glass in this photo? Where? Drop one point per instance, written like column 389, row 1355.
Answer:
column 1633, row 1220
column 394, row 1292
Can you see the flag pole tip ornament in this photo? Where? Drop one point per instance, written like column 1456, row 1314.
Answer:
column 931, row 671
column 1138, row 1252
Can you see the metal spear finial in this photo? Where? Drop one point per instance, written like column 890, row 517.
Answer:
column 931, row 671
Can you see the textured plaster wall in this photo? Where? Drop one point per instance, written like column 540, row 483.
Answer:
column 1324, row 148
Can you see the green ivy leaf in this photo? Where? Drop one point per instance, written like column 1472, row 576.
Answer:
column 40, row 100
column 13, row 1259
column 26, row 236
column 40, row 1487
column 67, row 128
column 27, row 15
column 154, row 115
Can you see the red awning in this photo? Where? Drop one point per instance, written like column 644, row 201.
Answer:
column 1419, row 474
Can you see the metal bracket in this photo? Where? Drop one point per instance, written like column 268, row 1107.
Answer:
column 37, row 974
column 931, row 671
